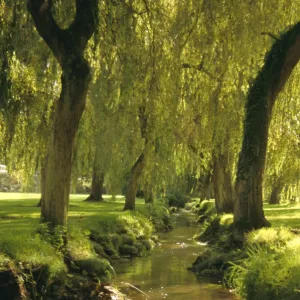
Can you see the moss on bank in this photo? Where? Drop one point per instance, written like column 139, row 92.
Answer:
column 36, row 263
column 263, row 264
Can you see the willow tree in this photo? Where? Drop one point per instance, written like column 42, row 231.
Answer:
column 213, row 88
column 159, row 38
column 26, row 84
column 67, row 45
column 139, row 45
column 214, row 54
column 278, row 66
column 283, row 156
column 103, row 137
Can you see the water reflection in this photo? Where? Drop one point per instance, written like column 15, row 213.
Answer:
column 164, row 274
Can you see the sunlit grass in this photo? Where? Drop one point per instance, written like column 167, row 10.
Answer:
column 271, row 266
column 21, row 232
column 283, row 214
column 19, row 213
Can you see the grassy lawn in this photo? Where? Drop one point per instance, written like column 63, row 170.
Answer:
column 97, row 231
column 283, row 215
column 19, row 214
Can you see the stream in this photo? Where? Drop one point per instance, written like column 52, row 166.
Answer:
column 163, row 274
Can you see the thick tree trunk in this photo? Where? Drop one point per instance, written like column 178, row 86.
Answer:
column 97, row 186
column 68, row 47
column 279, row 63
column 222, row 183
column 66, row 121
column 134, row 176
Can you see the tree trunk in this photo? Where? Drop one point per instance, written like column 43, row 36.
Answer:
column 66, row 121
column 139, row 165
column 276, row 191
column 97, row 186
column 148, row 193
column 205, row 186
column 279, row 63
column 222, row 183
column 134, row 176
column 68, row 47
column 43, row 181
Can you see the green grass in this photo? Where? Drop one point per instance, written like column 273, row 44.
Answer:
column 283, row 215
column 23, row 239
column 270, row 268
column 19, row 214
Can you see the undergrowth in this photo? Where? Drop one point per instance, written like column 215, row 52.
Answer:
column 216, row 230
column 271, row 267
column 73, row 261
column 262, row 264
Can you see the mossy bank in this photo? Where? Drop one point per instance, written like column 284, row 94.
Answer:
column 262, row 264
column 73, row 262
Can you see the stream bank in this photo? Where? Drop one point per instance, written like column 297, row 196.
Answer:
column 164, row 273
column 75, row 262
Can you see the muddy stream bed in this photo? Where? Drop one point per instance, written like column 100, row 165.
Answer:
column 164, row 274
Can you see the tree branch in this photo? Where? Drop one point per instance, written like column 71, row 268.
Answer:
column 64, row 42
column 83, row 26
column 46, row 26
column 200, row 67
column 273, row 36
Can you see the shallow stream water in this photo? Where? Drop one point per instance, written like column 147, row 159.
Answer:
column 164, row 274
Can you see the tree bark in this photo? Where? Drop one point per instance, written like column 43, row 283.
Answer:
column 148, row 193
column 131, row 189
column 222, row 184
column 139, row 165
column 97, row 186
column 279, row 63
column 68, row 47
column 43, row 181
column 276, row 191
column 205, row 186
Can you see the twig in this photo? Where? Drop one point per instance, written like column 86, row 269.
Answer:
column 273, row 36
column 135, row 288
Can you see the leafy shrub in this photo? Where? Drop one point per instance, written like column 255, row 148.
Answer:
column 177, row 199
column 128, row 250
column 116, row 240
column 56, row 236
column 193, row 206
column 270, row 268
column 141, row 248
column 216, row 229
column 128, row 239
column 207, row 208
column 134, row 224
column 94, row 266
column 269, row 274
column 204, row 209
column 159, row 215
column 270, row 237
column 148, row 244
